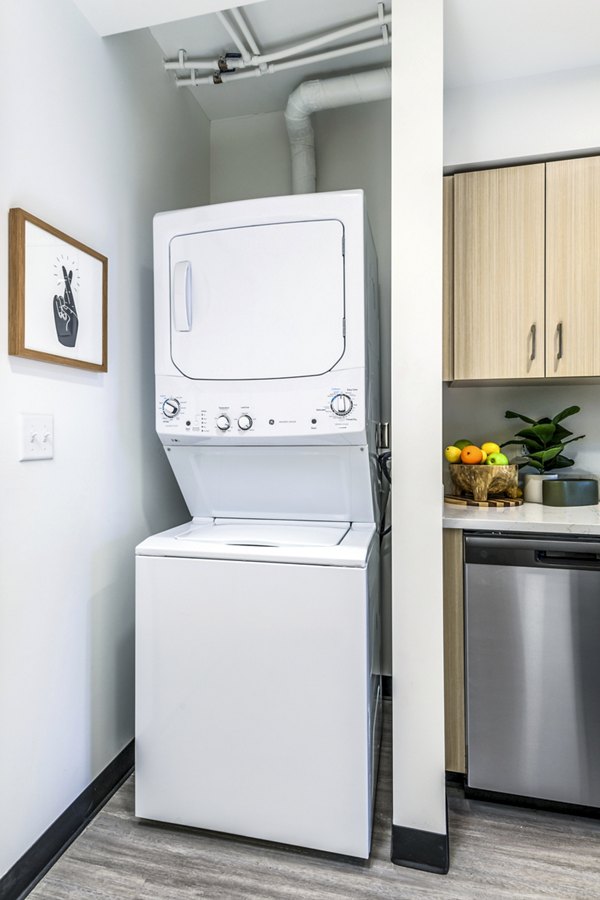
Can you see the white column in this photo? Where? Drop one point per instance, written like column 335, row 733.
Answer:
column 419, row 794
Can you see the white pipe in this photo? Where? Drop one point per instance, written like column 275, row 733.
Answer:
column 211, row 64
column 260, row 60
column 270, row 68
column 311, row 96
column 324, row 39
column 245, row 29
column 327, row 54
column 193, row 81
column 235, row 36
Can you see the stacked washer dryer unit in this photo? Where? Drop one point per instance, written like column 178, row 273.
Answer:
column 257, row 634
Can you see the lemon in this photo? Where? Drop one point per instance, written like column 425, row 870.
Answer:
column 490, row 447
column 452, row 454
column 484, row 455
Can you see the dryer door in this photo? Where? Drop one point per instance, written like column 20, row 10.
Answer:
column 264, row 301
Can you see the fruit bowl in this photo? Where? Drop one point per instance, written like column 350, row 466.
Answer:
column 483, row 480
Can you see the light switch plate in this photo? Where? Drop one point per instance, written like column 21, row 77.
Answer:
column 36, row 437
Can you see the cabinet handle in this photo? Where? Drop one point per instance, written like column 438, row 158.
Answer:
column 533, row 333
column 559, row 332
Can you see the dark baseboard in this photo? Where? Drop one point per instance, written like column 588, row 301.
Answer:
column 425, row 850
column 457, row 778
column 35, row 862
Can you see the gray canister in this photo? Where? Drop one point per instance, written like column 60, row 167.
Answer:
column 570, row 492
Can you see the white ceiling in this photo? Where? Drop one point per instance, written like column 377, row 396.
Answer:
column 275, row 23
column 114, row 16
column 492, row 40
column 485, row 40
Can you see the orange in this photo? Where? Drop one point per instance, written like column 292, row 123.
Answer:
column 471, row 455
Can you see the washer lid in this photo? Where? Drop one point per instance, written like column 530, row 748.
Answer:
column 266, row 540
column 258, row 302
column 266, row 533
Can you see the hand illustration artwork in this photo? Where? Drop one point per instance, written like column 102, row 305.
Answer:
column 66, row 320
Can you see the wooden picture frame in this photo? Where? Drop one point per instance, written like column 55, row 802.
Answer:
column 57, row 296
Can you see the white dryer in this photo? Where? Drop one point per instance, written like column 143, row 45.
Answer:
column 257, row 623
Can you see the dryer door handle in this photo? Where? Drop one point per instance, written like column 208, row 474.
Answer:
column 182, row 296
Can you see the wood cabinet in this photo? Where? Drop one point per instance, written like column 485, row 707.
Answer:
column 522, row 272
column 499, row 273
column 454, row 668
column 573, row 268
column 448, row 283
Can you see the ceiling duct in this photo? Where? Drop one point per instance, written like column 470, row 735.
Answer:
column 311, row 96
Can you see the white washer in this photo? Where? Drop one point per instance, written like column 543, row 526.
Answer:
column 257, row 648
column 257, row 624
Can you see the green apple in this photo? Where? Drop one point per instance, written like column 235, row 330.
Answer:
column 497, row 459
column 462, row 444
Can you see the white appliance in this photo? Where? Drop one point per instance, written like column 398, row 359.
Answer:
column 257, row 623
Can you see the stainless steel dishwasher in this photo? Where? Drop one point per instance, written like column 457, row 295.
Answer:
column 532, row 632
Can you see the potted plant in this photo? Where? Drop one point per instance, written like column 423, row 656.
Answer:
column 542, row 442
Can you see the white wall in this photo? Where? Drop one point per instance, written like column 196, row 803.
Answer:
column 94, row 140
column 250, row 157
column 540, row 116
column 419, row 795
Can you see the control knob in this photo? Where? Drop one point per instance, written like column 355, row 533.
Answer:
column 223, row 423
column 244, row 422
column 171, row 407
column 341, row 404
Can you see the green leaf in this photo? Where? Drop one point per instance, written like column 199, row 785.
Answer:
column 535, row 464
column 561, row 433
column 562, row 462
column 569, row 411
column 509, row 414
column 533, row 446
column 541, row 433
column 545, row 456
column 570, row 441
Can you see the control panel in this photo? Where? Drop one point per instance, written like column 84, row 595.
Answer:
column 194, row 412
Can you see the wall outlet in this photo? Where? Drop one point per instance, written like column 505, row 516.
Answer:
column 36, row 437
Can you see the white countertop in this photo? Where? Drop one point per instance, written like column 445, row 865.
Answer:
column 532, row 517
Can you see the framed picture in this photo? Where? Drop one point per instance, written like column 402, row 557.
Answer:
column 57, row 291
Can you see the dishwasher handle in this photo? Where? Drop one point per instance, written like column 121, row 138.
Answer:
column 528, row 551
column 567, row 560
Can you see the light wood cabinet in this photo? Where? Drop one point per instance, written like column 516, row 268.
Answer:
column 448, row 283
column 573, row 268
column 454, row 668
column 522, row 272
column 499, row 273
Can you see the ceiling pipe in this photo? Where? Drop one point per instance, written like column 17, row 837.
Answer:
column 311, row 96
column 268, row 69
column 257, row 63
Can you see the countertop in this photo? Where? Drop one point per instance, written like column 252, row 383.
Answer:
column 533, row 517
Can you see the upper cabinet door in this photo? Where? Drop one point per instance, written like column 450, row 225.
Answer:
column 499, row 273
column 448, row 251
column 573, row 268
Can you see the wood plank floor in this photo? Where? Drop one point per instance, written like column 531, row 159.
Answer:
column 496, row 852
